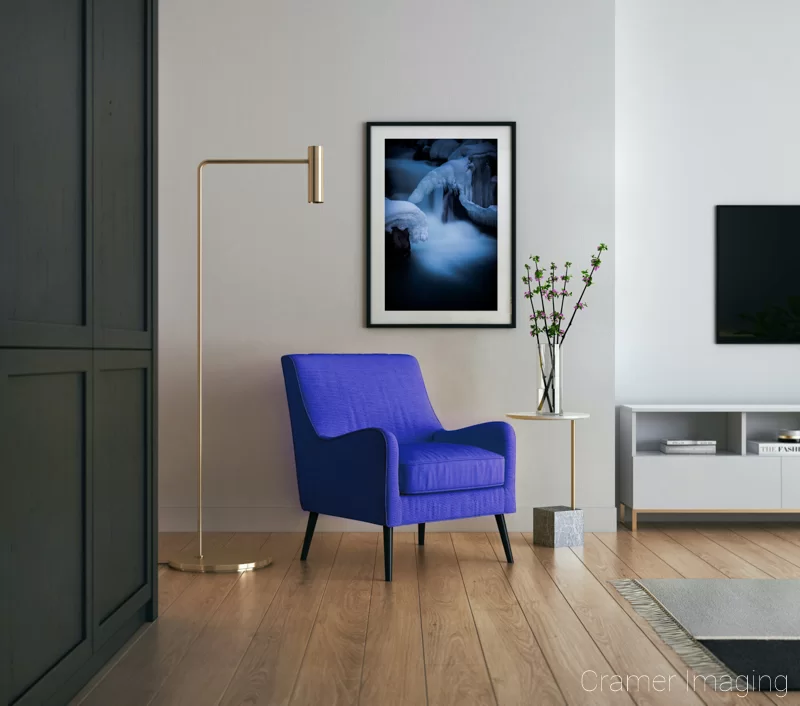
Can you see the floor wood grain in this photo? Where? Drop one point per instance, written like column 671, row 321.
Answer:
column 268, row 671
column 171, row 543
column 763, row 559
column 772, row 543
column 457, row 626
column 331, row 670
column 569, row 649
column 455, row 669
column 727, row 562
column 394, row 661
column 516, row 664
column 204, row 673
column 684, row 561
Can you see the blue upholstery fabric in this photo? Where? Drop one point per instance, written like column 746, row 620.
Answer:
column 343, row 393
column 353, row 415
column 430, row 468
column 437, row 507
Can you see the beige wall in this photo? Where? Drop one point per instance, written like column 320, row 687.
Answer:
column 253, row 78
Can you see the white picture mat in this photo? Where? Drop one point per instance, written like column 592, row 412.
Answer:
column 379, row 134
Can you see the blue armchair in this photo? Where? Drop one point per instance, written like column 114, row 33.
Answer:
column 368, row 446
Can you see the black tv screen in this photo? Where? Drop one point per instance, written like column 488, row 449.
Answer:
column 758, row 274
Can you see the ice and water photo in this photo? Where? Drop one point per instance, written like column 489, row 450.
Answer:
column 440, row 225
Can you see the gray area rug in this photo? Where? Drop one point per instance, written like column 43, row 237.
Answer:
column 732, row 631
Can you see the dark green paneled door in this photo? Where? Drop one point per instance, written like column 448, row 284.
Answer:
column 122, row 166
column 122, row 488
column 45, row 223
column 76, row 174
column 45, row 486
column 77, row 88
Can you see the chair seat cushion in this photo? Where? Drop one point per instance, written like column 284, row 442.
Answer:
column 437, row 468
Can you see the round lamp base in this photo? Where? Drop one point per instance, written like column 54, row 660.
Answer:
column 217, row 561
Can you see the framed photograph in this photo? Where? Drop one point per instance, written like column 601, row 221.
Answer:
column 440, row 224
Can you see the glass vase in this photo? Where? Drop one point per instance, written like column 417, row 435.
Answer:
column 548, row 367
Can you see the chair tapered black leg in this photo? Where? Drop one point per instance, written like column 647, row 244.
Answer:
column 501, row 526
column 312, row 523
column 421, row 534
column 388, row 533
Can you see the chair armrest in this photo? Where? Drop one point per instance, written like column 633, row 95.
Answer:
column 359, row 447
column 497, row 437
column 355, row 475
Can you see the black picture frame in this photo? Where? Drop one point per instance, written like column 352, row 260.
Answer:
column 511, row 230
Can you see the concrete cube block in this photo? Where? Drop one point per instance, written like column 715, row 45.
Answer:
column 557, row 526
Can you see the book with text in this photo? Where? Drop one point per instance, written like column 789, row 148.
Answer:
column 688, row 442
column 686, row 450
column 772, row 448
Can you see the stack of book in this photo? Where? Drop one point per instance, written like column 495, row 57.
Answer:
column 787, row 444
column 688, row 446
column 773, row 448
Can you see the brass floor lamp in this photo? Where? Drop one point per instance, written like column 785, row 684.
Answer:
column 202, row 559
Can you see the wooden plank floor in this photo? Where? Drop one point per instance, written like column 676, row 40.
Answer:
column 457, row 626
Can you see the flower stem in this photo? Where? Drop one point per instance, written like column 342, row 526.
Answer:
column 563, row 297
column 578, row 305
column 538, row 340
column 549, row 344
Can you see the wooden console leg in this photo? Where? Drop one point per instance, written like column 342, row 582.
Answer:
column 634, row 522
column 622, row 513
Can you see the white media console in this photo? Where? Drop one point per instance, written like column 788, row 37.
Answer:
column 732, row 481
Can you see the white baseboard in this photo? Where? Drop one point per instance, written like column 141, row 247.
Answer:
column 290, row 519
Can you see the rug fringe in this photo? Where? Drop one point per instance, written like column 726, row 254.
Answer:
column 671, row 632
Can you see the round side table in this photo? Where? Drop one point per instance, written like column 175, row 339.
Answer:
column 557, row 525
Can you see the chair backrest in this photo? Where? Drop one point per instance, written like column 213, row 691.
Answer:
column 346, row 392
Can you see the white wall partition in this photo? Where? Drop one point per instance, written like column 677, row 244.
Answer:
column 706, row 114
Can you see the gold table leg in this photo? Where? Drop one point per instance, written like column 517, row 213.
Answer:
column 572, row 463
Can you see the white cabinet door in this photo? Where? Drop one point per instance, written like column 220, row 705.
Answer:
column 708, row 483
column 790, row 486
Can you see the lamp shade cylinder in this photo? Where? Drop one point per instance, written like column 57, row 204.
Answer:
column 316, row 191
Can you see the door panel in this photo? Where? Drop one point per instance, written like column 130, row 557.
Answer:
column 45, row 248
column 121, row 219
column 122, row 465
column 45, row 400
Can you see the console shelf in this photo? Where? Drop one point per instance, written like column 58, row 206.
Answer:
column 731, row 481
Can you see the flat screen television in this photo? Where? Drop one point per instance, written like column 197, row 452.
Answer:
column 758, row 274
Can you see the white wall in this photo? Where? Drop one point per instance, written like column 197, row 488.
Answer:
column 249, row 78
column 707, row 112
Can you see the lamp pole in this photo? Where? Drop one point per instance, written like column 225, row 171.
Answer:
column 201, row 559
